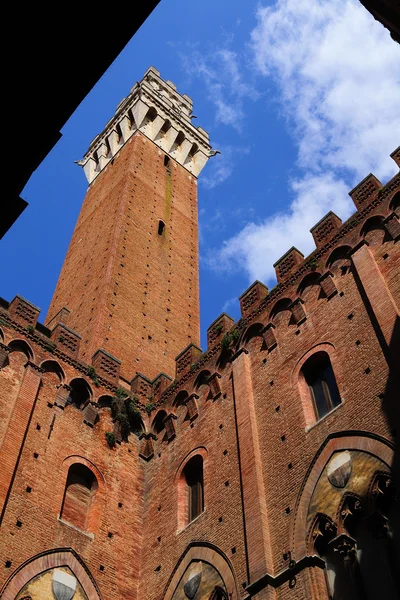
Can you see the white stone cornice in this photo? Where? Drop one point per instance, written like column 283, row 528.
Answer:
column 156, row 109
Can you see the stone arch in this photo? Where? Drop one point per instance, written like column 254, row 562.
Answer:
column 202, row 378
column 180, row 398
column 339, row 257
column 224, row 358
column 309, row 280
column 81, row 392
column 51, row 559
column 104, row 401
column 373, row 229
column 346, row 440
column 21, row 346
column 52, row 366
column 249, row 335
column 280, row 306
column 208, row 553
column 157, row 424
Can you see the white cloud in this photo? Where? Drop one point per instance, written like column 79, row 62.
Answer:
column 338, row 75
column 224, row 85
column 259, row 245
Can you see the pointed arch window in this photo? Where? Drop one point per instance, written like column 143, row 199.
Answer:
column 321, row 382
column 193, row 473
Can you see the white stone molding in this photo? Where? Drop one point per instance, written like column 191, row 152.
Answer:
column 156, row 109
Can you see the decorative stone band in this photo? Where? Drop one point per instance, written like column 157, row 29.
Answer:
column 157, row 110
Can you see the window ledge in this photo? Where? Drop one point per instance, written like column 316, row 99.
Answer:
column 325, row 416
column 191, row 523
column 88, row 535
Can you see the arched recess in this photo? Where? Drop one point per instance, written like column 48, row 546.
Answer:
column 309, row 288
column 200, row 552
column 98, row 498
column 373, row 230
column 158, row 425
column 21, row 346
column 201, row 384
column 52, row 366
column 339, row 259
column 252, row 337
column 340, row 441
column 179, row 404
column 45, row 561
column 277, row 315
column 81, row 392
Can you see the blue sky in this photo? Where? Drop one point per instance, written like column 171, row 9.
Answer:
column 302, row 98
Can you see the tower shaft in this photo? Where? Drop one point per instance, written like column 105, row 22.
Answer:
column 130, row 277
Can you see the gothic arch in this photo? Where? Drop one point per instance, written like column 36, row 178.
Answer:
column 208, row 553
column 51, row 559
column 346, row 440
column 21, row 346
column 52, row 366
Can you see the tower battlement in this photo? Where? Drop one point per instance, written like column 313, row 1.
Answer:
column 155, row 108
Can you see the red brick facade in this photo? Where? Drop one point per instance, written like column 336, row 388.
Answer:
column 270, row 514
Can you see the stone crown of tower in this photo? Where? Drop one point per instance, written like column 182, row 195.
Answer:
column 156, row 109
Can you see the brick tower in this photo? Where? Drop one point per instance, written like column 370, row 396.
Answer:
column 129, row 283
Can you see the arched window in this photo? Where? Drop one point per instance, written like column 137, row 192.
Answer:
column 320, row 378
column 80, row 489
column 193, row 474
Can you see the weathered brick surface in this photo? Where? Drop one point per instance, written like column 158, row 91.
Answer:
column 254, row 425
column 130, row 290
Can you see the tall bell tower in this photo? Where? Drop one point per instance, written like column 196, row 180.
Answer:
column 130, row 281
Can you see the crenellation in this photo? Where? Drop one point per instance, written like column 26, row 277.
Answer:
column 396, row 156
column 218, row 328
column 365, row 190
column 325, row 228
column 152, row 106
column 253, row 295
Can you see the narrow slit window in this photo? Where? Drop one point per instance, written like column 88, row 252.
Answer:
column 161, row 227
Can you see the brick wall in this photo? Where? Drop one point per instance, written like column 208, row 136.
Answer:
column 130, row 290
column 253, row 424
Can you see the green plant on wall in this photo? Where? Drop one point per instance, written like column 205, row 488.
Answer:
column 125, row 412
column 230, row 337
column 150, row 406
column 93, row 375
column 111, row 439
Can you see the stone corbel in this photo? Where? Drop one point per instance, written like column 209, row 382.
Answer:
column 147, row 447
column 298, row 312
column 345, row 546
column 169, row 426
column 90, row 414
column 328, row 285
column 269, row 337
column 62, row 396
column 215, row 386
column 392, row 225
column 191, row 405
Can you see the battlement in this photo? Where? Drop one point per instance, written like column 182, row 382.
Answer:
column 156, row 109
column 260, row 309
